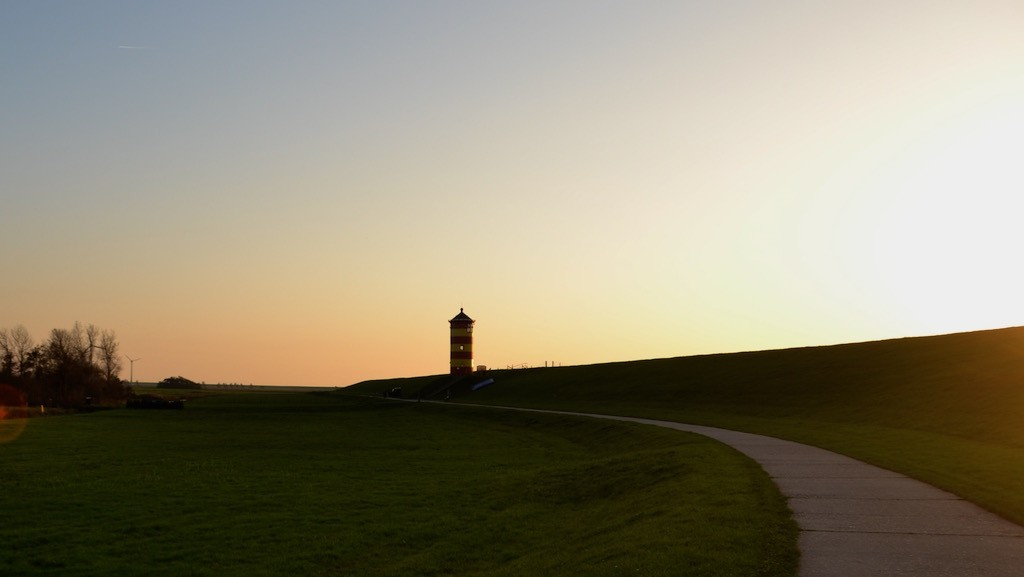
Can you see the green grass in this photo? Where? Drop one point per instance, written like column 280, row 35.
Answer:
column 948, row 410
column 327, row 484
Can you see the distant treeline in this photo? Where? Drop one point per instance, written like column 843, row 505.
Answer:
column 178, row 383
column 73, row 368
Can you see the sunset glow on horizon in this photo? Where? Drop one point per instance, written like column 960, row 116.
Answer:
column 305, row 193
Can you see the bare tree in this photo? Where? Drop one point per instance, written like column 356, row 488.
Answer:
column 73, row 366
column 62, row 361
column 92, row 337
column 61, row 346
column 21, row 346
column 78, row 344
column 109, row 358
column 6, row 353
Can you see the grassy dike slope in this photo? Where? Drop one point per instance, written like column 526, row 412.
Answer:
column 268, row 484
column 948, row 410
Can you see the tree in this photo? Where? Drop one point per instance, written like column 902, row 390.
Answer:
column 178, row 383
column 67, row 376
column 6, row 356
column 15, row 345
column 110, row 359
column 73, row 367
column 22, row 344
column 92, row 336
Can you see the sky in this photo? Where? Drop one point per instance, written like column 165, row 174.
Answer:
column 303, row 193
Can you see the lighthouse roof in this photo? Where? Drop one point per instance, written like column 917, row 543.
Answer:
column 461, row 318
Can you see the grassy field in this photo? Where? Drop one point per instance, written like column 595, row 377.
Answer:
column 329, row 484
column 948, row 410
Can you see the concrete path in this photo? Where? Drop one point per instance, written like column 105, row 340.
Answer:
column 860, row 520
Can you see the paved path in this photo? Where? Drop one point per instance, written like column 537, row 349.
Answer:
column 858, row 520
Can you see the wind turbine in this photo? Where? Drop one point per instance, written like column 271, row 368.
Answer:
column 131, row 379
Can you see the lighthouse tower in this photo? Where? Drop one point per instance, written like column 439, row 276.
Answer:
column 462, row 344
